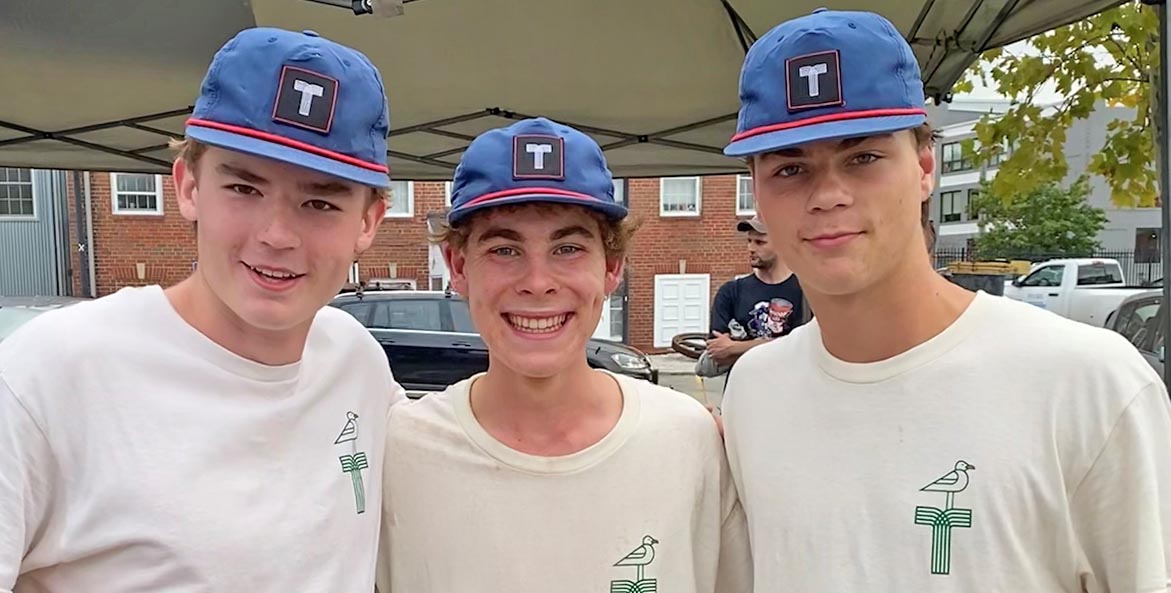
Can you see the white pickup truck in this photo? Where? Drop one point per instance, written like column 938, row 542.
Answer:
column 1086, row 290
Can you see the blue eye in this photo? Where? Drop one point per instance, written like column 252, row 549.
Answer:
column 788, row 171
column 321, row 205
column 243, row 189
column 567, row 250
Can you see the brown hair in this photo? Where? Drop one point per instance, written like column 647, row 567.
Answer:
column 925, row 137
column 616, row 234
column 191, row 151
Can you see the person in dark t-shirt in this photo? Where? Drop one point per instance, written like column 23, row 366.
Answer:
column 761, row 306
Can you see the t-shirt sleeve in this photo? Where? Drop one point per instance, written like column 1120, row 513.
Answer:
column 723, row 309
column 735, row 570
column 26, row 463
column 1122, row 508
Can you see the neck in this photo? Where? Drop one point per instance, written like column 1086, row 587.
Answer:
column 199, row 306
column 774, row 274
column 902, row 311
column 551, row 416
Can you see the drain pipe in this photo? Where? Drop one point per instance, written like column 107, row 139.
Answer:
column 89, row 237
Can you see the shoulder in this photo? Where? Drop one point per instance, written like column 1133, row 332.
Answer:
column 429, row 413
column 667, row 408
column 341, row 331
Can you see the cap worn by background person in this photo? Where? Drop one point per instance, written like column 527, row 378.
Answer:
column 752, row 224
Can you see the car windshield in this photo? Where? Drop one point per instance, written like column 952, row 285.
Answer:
column 14, row 317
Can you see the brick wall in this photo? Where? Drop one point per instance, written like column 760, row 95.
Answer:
column 165, row 245
column 708, row 244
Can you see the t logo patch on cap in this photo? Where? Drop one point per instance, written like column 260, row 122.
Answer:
column 538, row 157
column 814, row 80
column 306, row 99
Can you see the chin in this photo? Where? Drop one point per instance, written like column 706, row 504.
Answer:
column 274, row 316
column 538, row 365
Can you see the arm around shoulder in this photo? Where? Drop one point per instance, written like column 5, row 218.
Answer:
column 1122, row 508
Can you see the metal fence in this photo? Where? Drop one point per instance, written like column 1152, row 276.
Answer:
column 1140, row 268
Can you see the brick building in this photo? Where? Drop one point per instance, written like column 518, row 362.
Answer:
column 687, row 246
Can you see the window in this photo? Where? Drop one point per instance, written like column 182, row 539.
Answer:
column 1000, row 155
column 951, row 208
column 954, row 158
column 679, row 196
column 1099, row 273
column 360, row 311
column 615, row 304
column 1146, row 246
column 744, row 203
column 973, row 197
column 461, row 317
column 402, row 199
column 620, row 192
column 1137, row 320
column 16, row 193
column 1047, row 276
column 134, row 193
column 422, row 315
column 447, row 193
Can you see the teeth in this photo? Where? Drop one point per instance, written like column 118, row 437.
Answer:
column 276, row 275
column 539, row 325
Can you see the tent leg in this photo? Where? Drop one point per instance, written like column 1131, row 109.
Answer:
column 1163, row 153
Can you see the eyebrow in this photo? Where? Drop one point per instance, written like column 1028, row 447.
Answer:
column 240, row 173
column 498, row 232
column 843, row 145
column 316, row 188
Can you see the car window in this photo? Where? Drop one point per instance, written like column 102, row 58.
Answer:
column 424, row 315
column 1099, row 273
column 360, row 311
column 1047, row 276
column 461, row 317
column 1137, row 320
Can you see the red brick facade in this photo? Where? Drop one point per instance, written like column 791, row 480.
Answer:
column 133, row 250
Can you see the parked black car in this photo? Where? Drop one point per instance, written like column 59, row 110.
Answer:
column 431, row 343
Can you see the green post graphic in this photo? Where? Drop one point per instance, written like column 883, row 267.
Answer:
column 639, row 558
column 353, row 465
column 942, row 521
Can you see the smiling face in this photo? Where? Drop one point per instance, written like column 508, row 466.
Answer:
column 536, row 278
column 275, row 241
column 845, row 215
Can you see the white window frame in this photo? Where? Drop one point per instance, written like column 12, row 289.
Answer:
column 410, row 213
column 744, row 211
column 158, row 211
column 620, row 192
column 447, row 193
column 32, row 187
column 698, row 198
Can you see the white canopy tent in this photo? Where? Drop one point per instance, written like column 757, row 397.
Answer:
column 102, row 85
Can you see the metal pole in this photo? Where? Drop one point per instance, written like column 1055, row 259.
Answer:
column 1163, row 152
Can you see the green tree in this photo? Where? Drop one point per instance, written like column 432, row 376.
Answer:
column 1048, row 221
column 1106, row 59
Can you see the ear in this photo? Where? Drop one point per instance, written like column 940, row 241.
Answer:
column 186, row 191
column 456, row 260
column 615, row 265
column 926, row 171
column 371, row 219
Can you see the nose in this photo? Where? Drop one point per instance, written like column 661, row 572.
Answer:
column 537, row 277
column 279, row 229
column 829, row 191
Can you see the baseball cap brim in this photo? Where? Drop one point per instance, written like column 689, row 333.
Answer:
column 615, row 211
column 288, row 154
column 751, row 225
column 833, row 130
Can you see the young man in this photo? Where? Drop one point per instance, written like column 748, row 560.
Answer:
column 226, row 433
column 542, row 472
column 759, row 307
column 920, row 437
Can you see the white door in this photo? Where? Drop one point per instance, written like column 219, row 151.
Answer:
column 681, row 306
column 437, row 268
column 602, row 332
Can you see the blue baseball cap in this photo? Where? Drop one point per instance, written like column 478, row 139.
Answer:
column 297, row 98
column 828, row 75
column 533, row 160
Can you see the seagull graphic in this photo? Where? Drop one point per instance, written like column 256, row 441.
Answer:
column 951, row 482
column 640, row 556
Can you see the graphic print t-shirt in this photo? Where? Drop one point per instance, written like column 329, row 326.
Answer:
column 760, row 309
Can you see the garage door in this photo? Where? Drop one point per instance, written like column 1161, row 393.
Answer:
column 681, row 305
